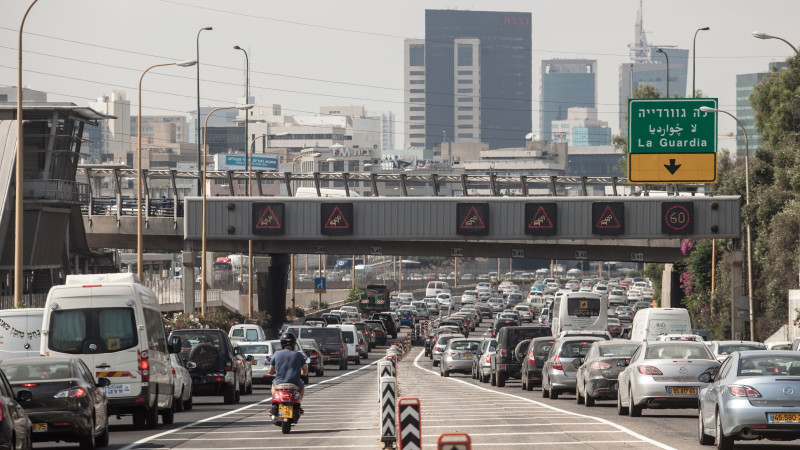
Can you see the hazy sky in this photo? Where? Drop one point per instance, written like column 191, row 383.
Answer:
column 306, row 54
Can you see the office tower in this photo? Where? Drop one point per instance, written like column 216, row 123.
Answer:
column 565, row 83
column 745, row 83
column 414, row 86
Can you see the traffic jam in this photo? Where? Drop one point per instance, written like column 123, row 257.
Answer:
column 71, row 371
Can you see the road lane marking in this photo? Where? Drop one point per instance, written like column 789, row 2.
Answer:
column 607, row 422
column 232, row 412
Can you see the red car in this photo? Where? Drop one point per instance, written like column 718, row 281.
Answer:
column 614, row 327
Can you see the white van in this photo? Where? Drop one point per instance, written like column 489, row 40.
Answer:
column 20, row 332
column 350, row 337
column 247, row 332
column 435, row 288
column 112, row 322
column 650, row 323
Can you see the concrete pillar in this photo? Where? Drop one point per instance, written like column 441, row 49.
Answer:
column 188, row 281
column 666, row 286
column 271, row 273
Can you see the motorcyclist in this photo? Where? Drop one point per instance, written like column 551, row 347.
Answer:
column 288, row 365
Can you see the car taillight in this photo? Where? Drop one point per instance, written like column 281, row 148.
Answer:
column 30, row 384
column 488, row 359
column 743, row 391
column 71, row 393
column 228, row 364
column 649, row 370
column 531, row 360
column 144, row 365
column 173, row 372
column 599, row 366
column 314, row 354
column 557, row 363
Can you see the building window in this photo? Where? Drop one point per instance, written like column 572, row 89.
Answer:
column 464, row 99
column 465, row 91
column 416, row 55
column 465, row 108
column 412, row 136
column 417, row 108
column 465, row 81
column 465, row 126
column 417, row 82
column 417, row 72
column 469, row 117
column 352, row 166
column 465, row 135
column 417, row 144
column 417, row 100
column 416, row 127
column 417, row 91
column 416, row 118
column 464, row 54
column 465, row 72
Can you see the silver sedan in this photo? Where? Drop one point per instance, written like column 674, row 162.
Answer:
column 663, row 375
column 457, row 356
column 482, row 363
column 755, row 394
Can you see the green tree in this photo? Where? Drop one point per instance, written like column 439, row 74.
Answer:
column 776, row 102
column 353, row 296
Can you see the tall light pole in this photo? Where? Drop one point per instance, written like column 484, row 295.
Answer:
column 199, row 150
column 760, row 35
column 747, row 202
column 694, row 56
column 203, row 289
column 19, row 189
column 246, row 100
column 661, row 50
column 139, row 229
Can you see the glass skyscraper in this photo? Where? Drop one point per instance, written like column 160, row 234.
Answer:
column 745, row 83
column 565, row 83
column 477, row 77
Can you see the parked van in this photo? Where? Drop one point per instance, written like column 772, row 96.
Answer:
column 437, row 287
column 113, row 323
column 650, row 323
column 350, row 337
column 20, row 332
column 247, row 332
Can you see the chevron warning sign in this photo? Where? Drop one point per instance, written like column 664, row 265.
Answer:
column 388, row 419
column 385, row 369
column 409, row 424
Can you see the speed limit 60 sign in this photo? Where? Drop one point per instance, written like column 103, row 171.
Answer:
column 677, row 218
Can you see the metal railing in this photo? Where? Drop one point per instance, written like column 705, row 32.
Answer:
column 57, row 191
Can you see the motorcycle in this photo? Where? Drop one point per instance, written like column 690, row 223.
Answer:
column 286, row 406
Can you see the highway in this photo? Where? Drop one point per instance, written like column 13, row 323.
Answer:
column 342, row 411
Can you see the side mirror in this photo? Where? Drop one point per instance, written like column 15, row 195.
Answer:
column 250, row 358
column 24, row 396
column 103, row 382
column 706, row 377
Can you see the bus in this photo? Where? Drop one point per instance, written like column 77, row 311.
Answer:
column 579, row 311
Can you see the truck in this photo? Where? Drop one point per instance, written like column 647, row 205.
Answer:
column 374, row 299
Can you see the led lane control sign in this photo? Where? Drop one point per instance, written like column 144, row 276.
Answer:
column 540, row 219
column 677, row 218
column 608, row 218
column 337, row 219
column 472, row 219
column 268, row 219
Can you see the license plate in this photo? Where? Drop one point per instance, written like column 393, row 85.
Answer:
column 682, row 391
column 285, row 411
column 39, row 427
column 783, row 417
column 117, row 389
column 253, row 362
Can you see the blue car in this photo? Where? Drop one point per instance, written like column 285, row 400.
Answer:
column 406, row 318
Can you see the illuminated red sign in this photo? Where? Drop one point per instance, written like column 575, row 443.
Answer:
column 523, row 21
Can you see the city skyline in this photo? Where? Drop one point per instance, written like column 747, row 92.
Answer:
column 353, row 55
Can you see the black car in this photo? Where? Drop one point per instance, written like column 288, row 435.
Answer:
column 314, row 354
column 213, row 363
column 388, row 323
column 15, row 426
column 331, row 319
column 500, row 324
column 533, row 360
column 597, row 376
column 331, row 343
column 376, row 326
column 506, row 364
column 67, row 404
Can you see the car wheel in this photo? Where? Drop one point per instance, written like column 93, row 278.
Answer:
column 621, row 410
column 237, row 397
column 188, row 404
column 723, row 442
column 139, row 418
column 229, row 395
column 545, row 392
column 249, row 389
column 529, row 386
column 178, row 403
column 493, row 379
column 151, row 415
column 633, row 410
column 445, row 373
column 319, row 372
column 588, row 400
column 501, row 379
column 578, row 396
column 88, row 442
column 523, row 384
column 435, row 363
column 358, row 361
column 554, row 394
column 702, row 437
column 168, row 415
column 102, row 441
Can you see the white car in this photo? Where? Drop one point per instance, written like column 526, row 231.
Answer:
column 469, row 297
column 616, row 297
column 524, row 312
column 444, row 299
column 181, row 383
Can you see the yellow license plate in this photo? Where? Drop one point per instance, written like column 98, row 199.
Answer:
column 253, row 362
column 683, row 391
column 285, row 411
column 785, row 418
column 39, row 427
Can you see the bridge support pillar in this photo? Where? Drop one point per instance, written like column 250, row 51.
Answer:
column 271, row 273
column 188, row 281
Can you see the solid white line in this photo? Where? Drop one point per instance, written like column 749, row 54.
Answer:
column 608, row 422
column 209, row 419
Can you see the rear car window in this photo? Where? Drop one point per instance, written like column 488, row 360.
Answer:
column 348, row 336
column 583, row 307
column 465, row 346
column 254, row 349
column 608, row 351
column 114, row 327
column 542, row 347
column 728, row 349
column 678, row 350
column 444, row 339
column 252, row 335
column 38, row 371
column 328, row 335
column 575, row 349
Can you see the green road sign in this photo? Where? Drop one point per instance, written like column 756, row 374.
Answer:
column 671, row 125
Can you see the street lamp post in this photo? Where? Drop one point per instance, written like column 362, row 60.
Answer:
column 139, row 228
column 247, row 100
column 199, row 150
column 661, row 50
column 760, row 35
column 747, row 202
column 20, row 173
column 694, row 56
column 203, row 288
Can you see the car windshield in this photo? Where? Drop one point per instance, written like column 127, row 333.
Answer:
column 254, row 349
column 575, row 349
column 37, row 371
column 542, row 347
column 769, row 365
column 307, row 345
column 727, row 349
column 624, row 350
column 678, row 350
column 465, row 346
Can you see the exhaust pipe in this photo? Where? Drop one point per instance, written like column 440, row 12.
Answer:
column 747, row 433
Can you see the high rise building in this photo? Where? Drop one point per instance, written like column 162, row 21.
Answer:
column 581, row 129
column 114, row 143
column 745, row 83
column 476, row 79
column 650, row 67
column 386, row 119
column 565, row 83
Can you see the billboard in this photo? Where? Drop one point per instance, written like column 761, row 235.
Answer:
column 261, row 163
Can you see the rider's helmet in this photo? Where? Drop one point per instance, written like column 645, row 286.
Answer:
column 288, row 339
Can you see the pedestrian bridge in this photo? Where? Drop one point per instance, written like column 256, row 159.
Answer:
column 607, row 228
